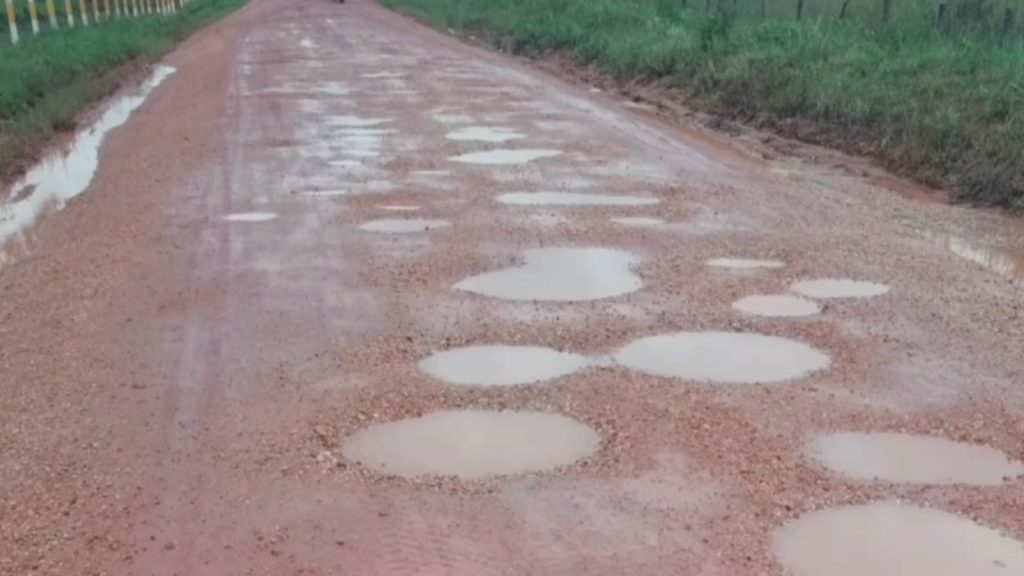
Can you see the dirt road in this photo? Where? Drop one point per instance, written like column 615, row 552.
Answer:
column 330, row 221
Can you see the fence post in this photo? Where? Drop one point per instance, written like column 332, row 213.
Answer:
column 799, row 9
column 33, row 16
column 69, row 13
column 83, row 12
column 12, row 21
column 941, row 15
column 106, row 9
column 886, row 10
column 51, row 13
column 96, row 11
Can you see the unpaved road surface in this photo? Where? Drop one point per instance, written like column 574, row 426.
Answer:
column 176, row 388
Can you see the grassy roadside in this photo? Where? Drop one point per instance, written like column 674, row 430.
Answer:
column 944, row 108
column 49, row 79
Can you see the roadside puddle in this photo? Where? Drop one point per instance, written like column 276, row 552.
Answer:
column 561, row 275
column 503, row 156
column 722, row 357
column 839, row 288
column 65, row 174
column 915, row 459
column 501, row 365
column 893, row 539
column 472, row 444
column 1006, row 263
column 573, row 199
column 777, row 305
column 410, row 226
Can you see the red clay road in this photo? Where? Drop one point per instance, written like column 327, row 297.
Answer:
column 176, row 388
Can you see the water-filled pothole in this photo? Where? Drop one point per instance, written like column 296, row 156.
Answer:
column 472, row 444
column 724, row 357
column 744, row 264
column 484, row 134
column 638, row 221
column 912, row 458
column 503, row 156
column 409, row 226
column 500, row 365
column 250, row 217
column 894, row 539
column 573, row 199
column 561, row 275
column 839, row 288
column 349, row 121
column 777, row 305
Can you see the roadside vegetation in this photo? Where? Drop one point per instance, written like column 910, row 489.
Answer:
column 936, row 93
column 46, row 80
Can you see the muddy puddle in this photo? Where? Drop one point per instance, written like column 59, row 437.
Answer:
column 916, row 459
column 491, row 134
column 61, row 176
column 839, row 288
column 500, row 365
column 723, row 357
column 572, row 199
column 504, row 156
column 777, row 306
column 744, row 263
column 410, row 226
column 894, row 539
column 561, row 275
column 472, row 444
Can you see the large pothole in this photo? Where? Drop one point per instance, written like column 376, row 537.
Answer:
column 723, row 357
column 500, row 365
column 912, row 458
column 472, row 444
column 893, row 539
column 560, row 275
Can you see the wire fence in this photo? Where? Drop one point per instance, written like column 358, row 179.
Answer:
column 49, row 16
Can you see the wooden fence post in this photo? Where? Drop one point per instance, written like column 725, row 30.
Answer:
column 799, row 9
column 12, row 21
column 69, row 13
column 51, row 13
column 941, row 15
column 886, row 10
column 33, row 16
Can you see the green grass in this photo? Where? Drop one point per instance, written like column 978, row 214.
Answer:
column 943, row 106
column 50, row 78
